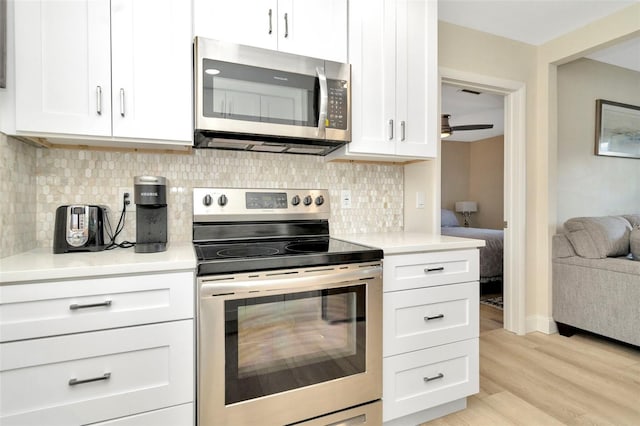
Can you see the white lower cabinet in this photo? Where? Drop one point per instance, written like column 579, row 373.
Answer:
column 89, row 377
column 115, row 349
column 430, row 334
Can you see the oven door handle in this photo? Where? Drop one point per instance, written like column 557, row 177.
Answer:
column 287, row 280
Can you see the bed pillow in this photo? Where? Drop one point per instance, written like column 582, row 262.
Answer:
column 599, row 237
column 448, row 218
column 634, row 241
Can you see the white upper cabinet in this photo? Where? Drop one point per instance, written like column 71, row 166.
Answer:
column 393, row 55
column 109, row 70
column 311, row 28
column 63, row 74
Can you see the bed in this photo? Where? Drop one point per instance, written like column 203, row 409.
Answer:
column 490, row 255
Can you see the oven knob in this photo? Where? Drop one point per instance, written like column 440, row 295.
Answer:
column 207, row 200
column 307, row 200
column 222, row 200
column 295, row 200
column 319, row 200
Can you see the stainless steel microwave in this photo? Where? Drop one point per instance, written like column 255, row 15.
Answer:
column 256, row 99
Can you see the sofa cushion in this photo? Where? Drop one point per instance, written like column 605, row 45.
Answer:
column 634, row 242
column 634, row 219
column 599, row 237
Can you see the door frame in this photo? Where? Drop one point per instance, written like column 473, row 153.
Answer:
column 514, row 93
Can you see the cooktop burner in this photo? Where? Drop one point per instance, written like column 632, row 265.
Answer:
column 217, row 258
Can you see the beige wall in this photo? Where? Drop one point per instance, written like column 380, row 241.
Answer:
column 590, row 185
column 486, row 182
column 474, row 171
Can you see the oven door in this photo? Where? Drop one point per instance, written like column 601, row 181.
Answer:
column 283, row 347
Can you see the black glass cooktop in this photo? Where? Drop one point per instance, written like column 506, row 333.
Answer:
column 219, row 258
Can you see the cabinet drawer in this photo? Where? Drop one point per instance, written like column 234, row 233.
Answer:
column 116, row 373
column 432, row 316
column 182, row 415
column 406, row 271
column 63, row 307
column 424, row 379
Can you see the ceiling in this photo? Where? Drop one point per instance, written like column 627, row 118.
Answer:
column 529, row 21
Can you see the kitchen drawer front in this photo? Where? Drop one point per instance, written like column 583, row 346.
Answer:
column 120, row 372
column 431, row 316
column 182, row 415
column 427, row 378
column 407, row 271
column 63, row 307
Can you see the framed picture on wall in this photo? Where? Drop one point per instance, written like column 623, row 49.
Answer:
column 617, row 129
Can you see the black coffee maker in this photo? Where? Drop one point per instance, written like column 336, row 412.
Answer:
column 150, row 196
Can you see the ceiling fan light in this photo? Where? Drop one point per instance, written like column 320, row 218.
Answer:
column 445, row 128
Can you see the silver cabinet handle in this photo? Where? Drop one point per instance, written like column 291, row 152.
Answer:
column 428, row 270
column 74, row 381
column 270, row 21
column 434, row 317
column 104, row 304
column 402, row 124
column 353, row 421
column 429, row 379
column 286, row 25
column 324, row 102
column 390, row 129
column 99, row 100
column 122, row 102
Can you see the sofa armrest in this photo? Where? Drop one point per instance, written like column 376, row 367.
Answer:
column 561, row 247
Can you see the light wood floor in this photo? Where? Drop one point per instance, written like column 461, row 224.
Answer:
column 541, row 379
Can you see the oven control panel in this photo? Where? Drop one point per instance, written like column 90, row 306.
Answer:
column 245, row 204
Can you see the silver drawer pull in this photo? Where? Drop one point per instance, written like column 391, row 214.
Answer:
column 439, row 268
column 105, row 376
column 438, row 377
column 434, row 317
column 76, row 306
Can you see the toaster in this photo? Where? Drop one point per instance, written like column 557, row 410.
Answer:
column 79, row 227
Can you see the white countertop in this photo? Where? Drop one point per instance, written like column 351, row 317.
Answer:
column 410, row 242
column 41, row 264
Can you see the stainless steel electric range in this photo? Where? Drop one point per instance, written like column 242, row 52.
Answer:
column 289, row 319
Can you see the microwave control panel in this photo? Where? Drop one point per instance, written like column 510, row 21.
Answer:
column 338, row 104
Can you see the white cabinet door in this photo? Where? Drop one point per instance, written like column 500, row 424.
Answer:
column 151, row 67
column 248, row 22
column 317, row 29
column 416, row 78
column 63, row 76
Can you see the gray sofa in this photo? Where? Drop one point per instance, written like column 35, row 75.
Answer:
column 596, row 277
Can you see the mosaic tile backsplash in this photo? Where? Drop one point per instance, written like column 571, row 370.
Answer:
column 94, row 177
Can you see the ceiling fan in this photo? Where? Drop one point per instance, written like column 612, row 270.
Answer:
column 447, row 130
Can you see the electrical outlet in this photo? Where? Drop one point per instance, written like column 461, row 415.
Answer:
column 345, row 198
column 131, row 207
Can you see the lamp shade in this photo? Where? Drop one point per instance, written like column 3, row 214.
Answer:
column 466, row 206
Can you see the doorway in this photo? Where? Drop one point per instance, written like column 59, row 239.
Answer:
column 514, row 187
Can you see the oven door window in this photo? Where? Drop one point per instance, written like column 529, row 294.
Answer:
column 279, row 343
column 247, row 93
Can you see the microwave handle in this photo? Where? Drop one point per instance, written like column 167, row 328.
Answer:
column 324, row 101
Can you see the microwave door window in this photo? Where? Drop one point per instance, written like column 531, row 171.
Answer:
column 240, row 92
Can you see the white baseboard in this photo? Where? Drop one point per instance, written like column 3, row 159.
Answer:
column 542, row 324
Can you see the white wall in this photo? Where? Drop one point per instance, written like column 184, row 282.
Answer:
column 590, row 185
